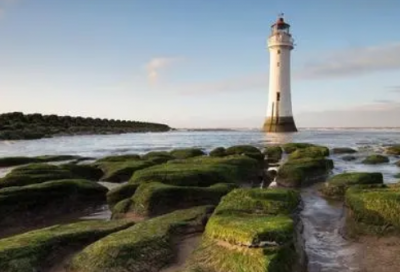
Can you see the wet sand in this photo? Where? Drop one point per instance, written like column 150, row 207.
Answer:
column 378, row 254
column 185, row 247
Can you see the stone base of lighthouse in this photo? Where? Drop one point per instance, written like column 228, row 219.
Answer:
column 280, row 124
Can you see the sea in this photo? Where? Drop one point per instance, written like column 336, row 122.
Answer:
column 326, row 249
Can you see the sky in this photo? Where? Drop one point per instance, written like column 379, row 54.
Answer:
column 200, row 63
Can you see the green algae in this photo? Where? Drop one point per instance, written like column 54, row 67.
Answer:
column 120, row 193
column 259, row 201
column 298, row 172
column 375, row 208
column 201, row 171
column 218, row 152
column 122, row 171
column 147, row 246
column 375, row 159
column 153, row 199
column 32, row 202
column 250, row 229
column 337, row 185
column 36, row 250
column 274, row 153
column 313, row 152
column 34, row 173
column 291, row 147
column 158, row 157
column 15, row 161
column 185, row 153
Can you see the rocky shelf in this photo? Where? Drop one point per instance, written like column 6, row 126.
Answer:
column 183, row 210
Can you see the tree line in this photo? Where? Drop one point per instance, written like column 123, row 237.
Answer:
column 17, row 126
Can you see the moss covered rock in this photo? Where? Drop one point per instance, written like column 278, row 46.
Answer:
column 186, row 153
column 274, row 153
column 202, row 171
column 119, row 158
column 393, row 150
column 291, row 147
column 122, row 171
column 83, row 171
column 120, row 193
column 147, row 246
column 34, row 203
column 15, row 161
column 218, row 152
column 214, row 256
column 39, row 249
column 121, row 208
column 41, row 172
column 34, row 173
column 152, row 199
column 259, row 201
column 338, row 184
column 343, row 150
column 158, row 157
column 299, row 172
column 313, row 152
column 373, row 209
column 375, row 159
column 251, row 229
column 248, row 150
column 242, row 149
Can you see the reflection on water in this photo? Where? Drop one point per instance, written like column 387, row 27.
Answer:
column 279, row 138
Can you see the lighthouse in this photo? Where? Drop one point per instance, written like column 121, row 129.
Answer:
column 279, row 111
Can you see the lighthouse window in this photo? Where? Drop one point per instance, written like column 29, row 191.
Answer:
column 279, row 51
column 278, row 64
column 278, row 96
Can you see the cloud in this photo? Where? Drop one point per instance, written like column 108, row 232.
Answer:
column 154, row 66
column 394, row 89
column 368, row 115
column 384, row 101
column 343, row 63
column 354, row 62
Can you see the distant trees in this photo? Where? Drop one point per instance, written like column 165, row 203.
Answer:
column 16, row 125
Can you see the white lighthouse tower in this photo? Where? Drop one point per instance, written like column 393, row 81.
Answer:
column 279, row 113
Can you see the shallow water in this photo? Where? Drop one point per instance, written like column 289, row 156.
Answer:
column 326, row 249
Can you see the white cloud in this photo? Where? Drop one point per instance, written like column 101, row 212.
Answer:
column 394, row 89
column 344, row 63
column 353, row 62
column 154, row 66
